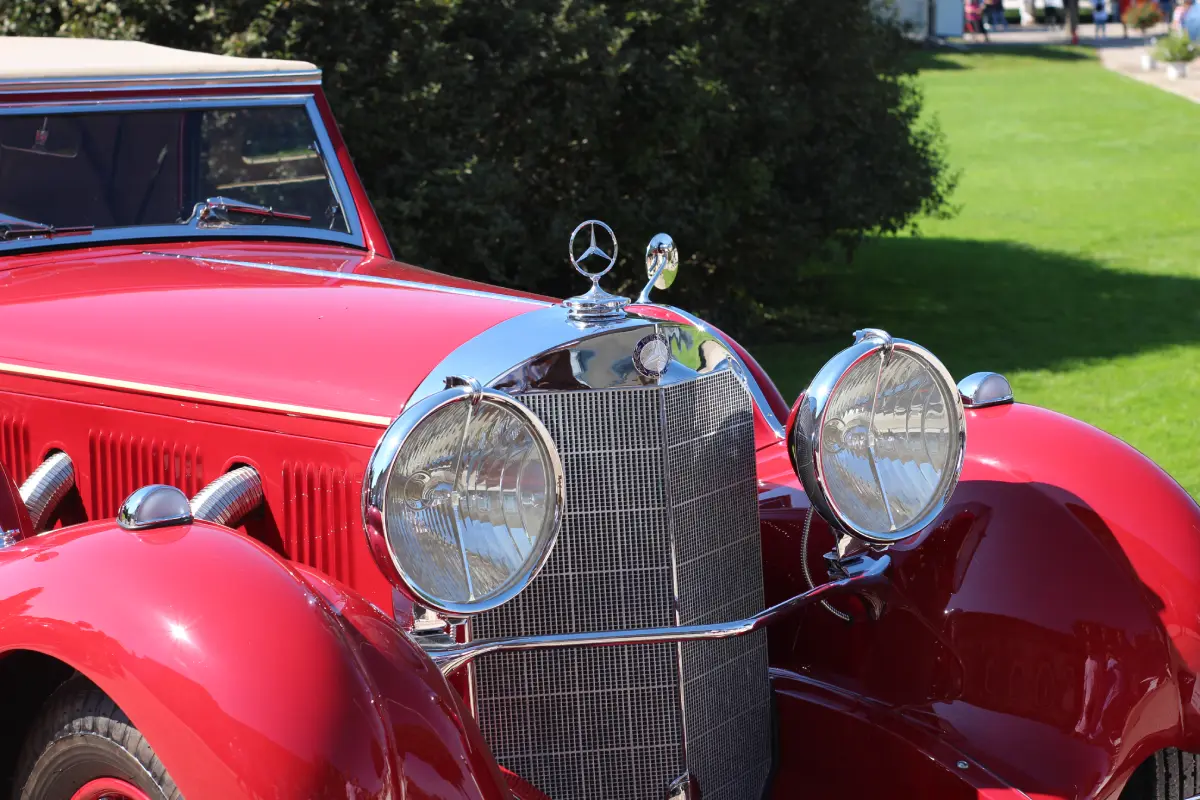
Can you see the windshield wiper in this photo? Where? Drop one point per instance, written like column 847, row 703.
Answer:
column 15, row 228
column 215, row 211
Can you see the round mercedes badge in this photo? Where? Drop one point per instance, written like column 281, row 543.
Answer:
column 652, row 355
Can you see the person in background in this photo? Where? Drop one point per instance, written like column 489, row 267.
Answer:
column 1100, row 18
column 1190, row 24
column 973, row 11
column 1181, row 11
column 1168, row 9
column 996, row 18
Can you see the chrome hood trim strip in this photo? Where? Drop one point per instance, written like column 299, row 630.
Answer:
column 350, row 276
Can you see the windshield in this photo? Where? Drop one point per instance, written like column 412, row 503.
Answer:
column 113, row 170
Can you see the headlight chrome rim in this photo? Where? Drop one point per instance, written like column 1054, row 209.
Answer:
column 804, row 435
column 376, row 483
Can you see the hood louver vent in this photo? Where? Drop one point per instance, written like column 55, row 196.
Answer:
column 320, row 506
column 121, row 463
column 14, row 448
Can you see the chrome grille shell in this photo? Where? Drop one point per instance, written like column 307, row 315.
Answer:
column 660, row 528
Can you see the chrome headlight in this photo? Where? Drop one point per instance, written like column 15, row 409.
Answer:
column 465, row 492
column 879, row 437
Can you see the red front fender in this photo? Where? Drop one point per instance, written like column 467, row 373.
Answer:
column 244, row 678
column 1049, row 629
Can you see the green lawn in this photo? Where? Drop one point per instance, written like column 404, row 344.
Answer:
column 1073, row 265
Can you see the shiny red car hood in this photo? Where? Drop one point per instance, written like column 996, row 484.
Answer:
column 159, row 315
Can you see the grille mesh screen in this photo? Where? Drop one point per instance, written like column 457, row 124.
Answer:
column 642, row 465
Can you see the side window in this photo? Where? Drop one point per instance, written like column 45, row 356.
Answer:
column 267, row 156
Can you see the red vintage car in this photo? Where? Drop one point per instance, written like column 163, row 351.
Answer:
column 298, row 520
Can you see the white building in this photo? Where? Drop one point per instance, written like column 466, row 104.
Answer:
column 933, row 17
column 944, row 18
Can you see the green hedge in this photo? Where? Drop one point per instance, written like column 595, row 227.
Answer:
column 759, row 133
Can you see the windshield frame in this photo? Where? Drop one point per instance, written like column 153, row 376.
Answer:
column 181, row 232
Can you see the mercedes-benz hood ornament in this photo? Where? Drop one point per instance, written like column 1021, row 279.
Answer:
column 595, row 304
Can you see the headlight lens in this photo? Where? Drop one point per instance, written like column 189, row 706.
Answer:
column 467, row 488
column 879, row 438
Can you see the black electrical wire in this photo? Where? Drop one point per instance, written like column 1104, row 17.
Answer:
column 844, row 617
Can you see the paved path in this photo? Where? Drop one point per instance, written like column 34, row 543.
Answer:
column 1116, row 52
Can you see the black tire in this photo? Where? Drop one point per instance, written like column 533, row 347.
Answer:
column 1169, row 774
column 81, row 735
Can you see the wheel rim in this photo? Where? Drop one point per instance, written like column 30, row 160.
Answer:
column 109, row 789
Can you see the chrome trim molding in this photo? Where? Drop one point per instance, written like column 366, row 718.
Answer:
column 379, row 473
column 546, row 350
column 804, row 437
column 228, row 499
column 681, row 674
column 342, row 195
column 45, row 488
column 9, row 538
column 154, row 506
column 983, row 389
column 760, row 398
column 176, row 233
column 151, row 103
column 138, row 83
column 188, row 394
column 450, row 657
column 350, row 276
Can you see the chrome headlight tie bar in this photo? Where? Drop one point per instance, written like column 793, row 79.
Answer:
column 450, row 656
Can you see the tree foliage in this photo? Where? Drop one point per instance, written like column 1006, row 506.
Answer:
column 758, row 133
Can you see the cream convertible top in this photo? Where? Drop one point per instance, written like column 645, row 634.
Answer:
column 34, row 63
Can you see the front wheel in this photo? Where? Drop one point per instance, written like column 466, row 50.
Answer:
column 83, row 747
column 1169, row 774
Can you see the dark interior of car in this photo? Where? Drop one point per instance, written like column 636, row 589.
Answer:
column 152, row 167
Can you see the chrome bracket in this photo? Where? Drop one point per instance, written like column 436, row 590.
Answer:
column 685, row 787
column 851, row 562
column 874, row 333
column 428, row 623
column 430, row 629
column 471, row 383
column 872, row 576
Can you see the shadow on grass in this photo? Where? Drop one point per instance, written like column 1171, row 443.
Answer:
column 962, row 59
column 992, row 305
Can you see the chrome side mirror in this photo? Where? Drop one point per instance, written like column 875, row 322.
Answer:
column 662, row 265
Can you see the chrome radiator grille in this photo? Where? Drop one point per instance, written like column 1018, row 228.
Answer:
column 660, row 492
